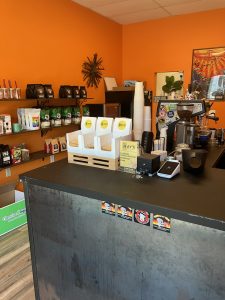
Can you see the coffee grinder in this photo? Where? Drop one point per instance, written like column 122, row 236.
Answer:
column 185, row 129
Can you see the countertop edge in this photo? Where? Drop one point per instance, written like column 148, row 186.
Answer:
column 171, row 213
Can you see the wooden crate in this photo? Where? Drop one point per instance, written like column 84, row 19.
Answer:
column 94, row 161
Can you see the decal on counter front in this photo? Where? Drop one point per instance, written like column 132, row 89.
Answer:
column 124, row 212
column 161, row 223
column 142, row 217
column 108, row 208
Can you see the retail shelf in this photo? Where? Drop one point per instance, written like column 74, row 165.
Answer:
column 17, row 100
column 33, row 156
column 17, row 133
column 43, row 130
column 44, row 99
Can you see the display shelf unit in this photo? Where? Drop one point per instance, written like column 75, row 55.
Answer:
column 42, row 130
column 44, row 99
column 41, row 103
column 33, row 156
column 16, row 100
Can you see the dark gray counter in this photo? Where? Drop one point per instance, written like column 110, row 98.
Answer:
column 78, row 252
column 197, row 199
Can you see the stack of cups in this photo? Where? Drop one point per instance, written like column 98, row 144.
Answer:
column 138, row 119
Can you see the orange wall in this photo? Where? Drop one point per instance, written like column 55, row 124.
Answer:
column 166, row 45
column 46, row 41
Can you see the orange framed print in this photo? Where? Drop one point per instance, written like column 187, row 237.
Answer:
column 208, row 73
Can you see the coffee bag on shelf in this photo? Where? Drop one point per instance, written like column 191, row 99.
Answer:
column 16, row 155
column 5, row 155
column 55, row 116
column 66, row 115
column 83, row 92
column 76, row 116
column 54, row 146
column 62, row 143
column 45, row 118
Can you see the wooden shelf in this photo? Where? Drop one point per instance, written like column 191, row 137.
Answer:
column 16, row 133
column 41, row 129
column 45, row 99
column 17, row 100
column 33, row 156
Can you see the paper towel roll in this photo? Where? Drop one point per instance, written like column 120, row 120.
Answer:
column 138, row 119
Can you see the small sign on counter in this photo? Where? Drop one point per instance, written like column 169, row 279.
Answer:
column 129, row 151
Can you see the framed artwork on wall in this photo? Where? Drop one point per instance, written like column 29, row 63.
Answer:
column 208, row 73
column 169, row 85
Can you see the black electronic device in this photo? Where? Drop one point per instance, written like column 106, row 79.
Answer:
column 146, row 141
column 148, row 164
column 169, row 169
column 194, row 160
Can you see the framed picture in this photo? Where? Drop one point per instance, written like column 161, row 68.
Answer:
column 169, row 85
column 208, row 73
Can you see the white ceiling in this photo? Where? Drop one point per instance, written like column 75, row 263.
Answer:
column 133, row 11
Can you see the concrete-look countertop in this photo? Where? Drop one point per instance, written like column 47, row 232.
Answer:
column 198, row 199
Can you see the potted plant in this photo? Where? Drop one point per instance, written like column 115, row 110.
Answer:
column 172, row 86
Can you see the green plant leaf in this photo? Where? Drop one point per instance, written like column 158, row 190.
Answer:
column 166, row 88
column 170, row 80
column 178, row 85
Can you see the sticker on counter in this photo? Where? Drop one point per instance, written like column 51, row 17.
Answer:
column 142, row 217
column 161, row 223
column 124, row 212
column 108, row 208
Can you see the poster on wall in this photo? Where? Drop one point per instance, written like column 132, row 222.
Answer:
column 208, row 73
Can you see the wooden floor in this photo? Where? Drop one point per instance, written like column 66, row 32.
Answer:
column 16, row 281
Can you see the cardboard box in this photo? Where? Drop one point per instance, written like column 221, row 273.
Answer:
column 12, row 209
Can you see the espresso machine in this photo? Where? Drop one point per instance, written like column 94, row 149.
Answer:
column 181, row 127
column 186, row 129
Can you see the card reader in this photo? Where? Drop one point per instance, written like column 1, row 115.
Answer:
column 169, row 169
